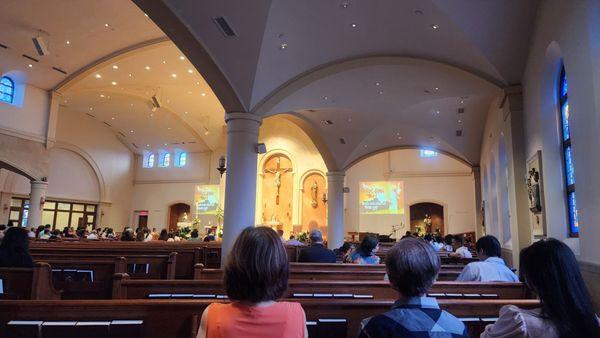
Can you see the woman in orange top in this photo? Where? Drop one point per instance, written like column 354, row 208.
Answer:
column 256, row 276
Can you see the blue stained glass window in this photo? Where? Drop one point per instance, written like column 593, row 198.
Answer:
column 565, row 115
column 7, row 89
column 565, row 121
column 569, row 171
column 573, row 215
column 182, row 159
column 167, row 160
column 428, row 153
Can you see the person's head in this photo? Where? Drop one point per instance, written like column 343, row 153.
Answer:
column 55, row 233
column 412, row 266
column 154, row 230
column 140, row 236
column 439, row 239
column 194, row 233
column 448, row 239
column 549, row 268
column 407, row 233
column 280, row 232
column 2, row 227
column 164, row 235
column 209, row 231
column 14, row 248
column 368, row 246
column 10, row 224
column 257, row 267
column 39, row 229
column 315, row 236
column 458, row 241
column 428, row 237
column 345, row 247
column 488, row 246
column 292, row 237
column 47, row 226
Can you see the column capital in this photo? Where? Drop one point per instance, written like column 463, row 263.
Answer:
column 39, row 184
column 234, row 115
column 336, row 174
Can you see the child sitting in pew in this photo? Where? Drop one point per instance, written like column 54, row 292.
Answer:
column 256, row 277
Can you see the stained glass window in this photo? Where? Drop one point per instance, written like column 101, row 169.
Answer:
column 7, row 89
column 181, row 159
column 565, row 115
column 148, row 160
column 428, row 153
column 164, row 160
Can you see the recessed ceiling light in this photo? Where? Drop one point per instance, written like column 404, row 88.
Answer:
column 98, row 76
column 67, row 42
column 147, row 145
column 115, row 67
column 198, row 83
column 353, row 25
column 30, row 65
column 91, row 108
column 114, row 83
column 349, row 119
column 462, row 101
column 437, row 112
column 106, row 25
column 202, row 94
column 113, row 118
column 418, row 12
column 102, row 95
column 147, row 67
column 165, row 144
column 399, row 137
column 189, row 91
column 130, row 75
column 434, row 27
column 377, row 83
column 381, row 92
column 437, row 88
column 181, row 57
column 164, row 62
column 131, row 104
column 169, row 128
column 344, row 5
column 283, row 46
column 365, row 146
column 173, row 75
column 325, row 98
column 459, row 121
column 190, row 71
column 131, row 131
column 185, row 112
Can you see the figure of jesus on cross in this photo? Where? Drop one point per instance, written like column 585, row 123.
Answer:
column 278, row 171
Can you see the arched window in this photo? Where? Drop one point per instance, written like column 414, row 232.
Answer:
column 563, row 101
column 181, row 159
column 165, row 160
column 428, row 153
column 148, row 160
column 7, row 89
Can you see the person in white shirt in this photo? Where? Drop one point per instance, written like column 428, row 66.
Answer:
column 31, row 233
column 491, row 268
column 293, row 241
column 447, row 246
column 92, row 235
column 460, row 250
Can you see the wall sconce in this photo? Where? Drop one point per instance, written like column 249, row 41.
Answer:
column 221, row 168
column 324, row 198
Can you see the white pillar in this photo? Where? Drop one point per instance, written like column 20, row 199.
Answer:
column 335, row 209
column 240, row 180
column 36, row 203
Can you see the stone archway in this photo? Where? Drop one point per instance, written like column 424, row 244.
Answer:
column 427, row 217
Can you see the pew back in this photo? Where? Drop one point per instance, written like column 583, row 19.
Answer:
column 27, row 283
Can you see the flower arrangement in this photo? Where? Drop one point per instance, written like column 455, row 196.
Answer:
column 302, row 237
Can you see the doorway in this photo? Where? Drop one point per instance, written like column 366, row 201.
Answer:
column 178, row 212
column 427, row 217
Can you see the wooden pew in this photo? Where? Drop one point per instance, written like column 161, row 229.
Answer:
column 125, row 288
column 75, row 329
column 28, row 283
column 179, row 318
column 322, row 274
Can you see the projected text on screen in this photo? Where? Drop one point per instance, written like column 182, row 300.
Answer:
column 382, row 198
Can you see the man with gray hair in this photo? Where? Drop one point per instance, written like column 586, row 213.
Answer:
column 316, row 252
column 412, row 267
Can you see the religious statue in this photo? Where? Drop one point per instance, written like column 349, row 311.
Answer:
column 184, row 218
column 314, row 192
column 533, row 191
column 278, row 171
column 427, row 222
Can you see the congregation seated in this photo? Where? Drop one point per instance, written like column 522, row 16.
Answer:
column 194, row 236
column 365, row 253
column 491, row 268
column 210, row 236
column 412, row 267
column 93, row 235
column 293, row 241
column 549, row 268
column 164, row 235
column 14, row 249
column 30, row 233
column 127, row 235
column 256, row 277
column 344, row 251
column 316, row 252
column 448, row 239
column 460, row 250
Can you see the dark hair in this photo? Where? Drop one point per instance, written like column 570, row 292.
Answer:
column 489, row 245
column 345, row 247
column 448, row 239
column 14, row 249
column 439, row 239
column 257, row 267
column 194, row 233
column 412, row 266
column 365, row 249
column 459, row 239
column 315, row 236
column 164, row 235
column 550, row 269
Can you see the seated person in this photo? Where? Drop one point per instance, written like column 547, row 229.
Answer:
column 14, row 249
column 30, row 234
column 194, row 236
column 365, row 253
column 210, row 236
column 293, row 241
column 448, row 244
column 491, row 268
column 344, row 252
column 164, row 235
column 93, row 235
column 280, row 234
column 412, row 267
column 460, row 250
column 549, row 268
column 316, row 252
column 256, row 277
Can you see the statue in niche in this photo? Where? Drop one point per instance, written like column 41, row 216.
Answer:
column 533, row 191
column 278, row 171
column 314, row 192
column 184, row 218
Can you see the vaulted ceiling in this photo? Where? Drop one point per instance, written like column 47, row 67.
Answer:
column 376, row 74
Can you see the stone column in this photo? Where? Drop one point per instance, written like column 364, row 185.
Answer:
column 240, row 184
column 36, row 205
column 479, row 230
column 335, row 209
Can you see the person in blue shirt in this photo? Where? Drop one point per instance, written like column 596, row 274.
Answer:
column 412, row 267
column 365, row 253
column 491, row 268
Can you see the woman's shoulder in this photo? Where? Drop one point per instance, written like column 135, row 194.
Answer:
column 516, row 322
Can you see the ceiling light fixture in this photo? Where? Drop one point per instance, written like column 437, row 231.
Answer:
column 98, row 76
column 131, row 131
column 169, row 128
column 147, row 67
column 435, row 27
column 173, row 75
column 202, row 94
column 130, row 75
column 377, row 83
column 283, row 46
column 197, row 83
column 459, row 121
column 190, row 71
column 164, row 62
column 30, row 65
column 344, row 5
column 381, row 92
column 102, row 95
column 164, row 144
column 114, row 83
column 418, row 12
column 189, row 91
column 115, row 67
column 106, row 25
column 181, row 57
column 353, row 25
column 146, row 15
column 436, row 88
column 91, row 108
column 68, row 42
column 325, row 98
column 185, row 112
column 147, row 145
column 113, row 118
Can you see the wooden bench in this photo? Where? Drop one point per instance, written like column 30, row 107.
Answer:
column 28, row 283
column 75, row 329
column 125, row 288
column 179, row 318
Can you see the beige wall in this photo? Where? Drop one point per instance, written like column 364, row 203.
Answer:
column 440, row 179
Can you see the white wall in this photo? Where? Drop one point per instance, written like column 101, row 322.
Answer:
column 440, row 179
column 29, row 119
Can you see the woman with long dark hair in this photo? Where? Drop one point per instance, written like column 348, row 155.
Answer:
column 365, row 253
column 549, row 269
column 14, row 249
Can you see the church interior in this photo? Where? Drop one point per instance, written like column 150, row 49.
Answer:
column 351, row 118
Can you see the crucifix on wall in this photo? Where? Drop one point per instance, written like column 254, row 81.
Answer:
column 277, row 171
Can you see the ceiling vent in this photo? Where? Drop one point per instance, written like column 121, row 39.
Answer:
column 461, row 110
column 59, row 70
column 224, row 27
column 311, row 110
column 3, row 46
column 90, row 115
column 30, row 58
column 326, row 122
column 108, row 124
column 134, row 145
column 342, row 141
column 120, row 133
column 190, row 142
column 459, row 132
